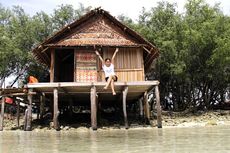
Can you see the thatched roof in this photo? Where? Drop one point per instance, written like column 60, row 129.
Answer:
column 96, row 28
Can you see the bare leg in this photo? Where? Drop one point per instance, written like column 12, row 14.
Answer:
column 112, row 87
column 108, row 82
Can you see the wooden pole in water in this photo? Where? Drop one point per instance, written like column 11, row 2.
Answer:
column 56, row 111
column 25, row 118
column 2, row 113
column 159, row 118
column 125, row 92
column 42, row 105
column 147, row 109
column 141, row 109
column 93, row 108
column 29, row 113
column 71, row 108
column 18, row 113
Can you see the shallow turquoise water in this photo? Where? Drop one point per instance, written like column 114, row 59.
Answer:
column 171, row 140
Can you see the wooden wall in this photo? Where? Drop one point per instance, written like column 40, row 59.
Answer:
column 129, row 64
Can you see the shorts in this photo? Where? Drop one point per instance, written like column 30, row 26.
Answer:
column 108, row 78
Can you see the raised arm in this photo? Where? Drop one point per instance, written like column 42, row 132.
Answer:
column 98, row 54
column 114, row 54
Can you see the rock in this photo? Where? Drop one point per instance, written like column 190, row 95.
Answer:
column 82, row 129
column 51, row 124
column 211, row 123
column 153, row 123
column 66, row 128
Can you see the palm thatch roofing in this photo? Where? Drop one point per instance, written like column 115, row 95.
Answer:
column 96, row 28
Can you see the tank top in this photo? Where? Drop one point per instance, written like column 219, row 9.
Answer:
column 108, row 70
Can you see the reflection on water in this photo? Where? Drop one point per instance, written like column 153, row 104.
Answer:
column 184, row 140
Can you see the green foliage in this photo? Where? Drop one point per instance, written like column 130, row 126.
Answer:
column 194, row 62
column 65, row 14
column 193, row 66
column 20, row 33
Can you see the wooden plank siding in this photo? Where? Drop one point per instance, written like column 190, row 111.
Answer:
column 129, row 64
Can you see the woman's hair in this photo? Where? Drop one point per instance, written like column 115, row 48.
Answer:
column 107, row 59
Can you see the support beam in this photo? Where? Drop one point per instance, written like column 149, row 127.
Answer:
column 29, row 113
column 55, row 110
column 159, row 118
column 2, row 113
column 146, row 105
column 93, row 108
column 52, row 65
column 125, row 92
column 147, row 50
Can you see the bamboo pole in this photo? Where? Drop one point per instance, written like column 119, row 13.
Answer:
column 125, row 92
column 159, row 118
column 146, row 105
column 93, row 108
column 2, row 113
column 29, row 108
column 55, row 109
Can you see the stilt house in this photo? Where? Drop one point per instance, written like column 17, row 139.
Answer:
column 76, row 72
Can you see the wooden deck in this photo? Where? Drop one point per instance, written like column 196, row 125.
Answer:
column 93, row 91
column 135, row 89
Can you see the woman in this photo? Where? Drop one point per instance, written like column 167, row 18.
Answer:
column 108, row 67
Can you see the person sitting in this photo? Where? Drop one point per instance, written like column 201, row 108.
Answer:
column 108, row 68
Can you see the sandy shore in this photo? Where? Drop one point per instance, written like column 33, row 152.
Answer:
column 169, row 120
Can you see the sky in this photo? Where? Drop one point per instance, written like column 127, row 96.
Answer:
column 130, row 8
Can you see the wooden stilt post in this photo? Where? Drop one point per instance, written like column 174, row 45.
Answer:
column 159, row 118
column 25, row 118
column 147, row 109
column 38, row 113
column 125, row 92
column 93, row 108
column 42, row 105
column 52, row 64
column 2, row 113
column 29, row 108
column 18, row 113
column 141, row 113
column 55, row 109
column 71, row 108
column 98, row 109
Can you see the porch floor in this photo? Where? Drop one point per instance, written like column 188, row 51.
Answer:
column 82, row 89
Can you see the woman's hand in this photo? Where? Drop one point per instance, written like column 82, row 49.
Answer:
column 97, row 53
column 117, row 49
